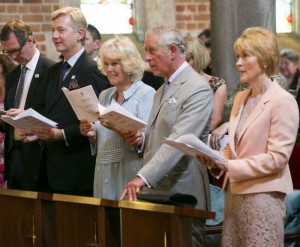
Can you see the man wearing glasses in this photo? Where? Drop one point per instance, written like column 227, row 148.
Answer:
column 24, row 89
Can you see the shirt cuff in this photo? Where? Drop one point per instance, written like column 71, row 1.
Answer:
column 141, row 149
column 65, row 138
column 146, row 182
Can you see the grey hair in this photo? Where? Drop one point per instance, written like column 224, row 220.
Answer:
column 290, row 54
column 168, row 35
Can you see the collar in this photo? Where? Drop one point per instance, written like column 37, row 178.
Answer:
column 129, row 92
column 72, row 60
column 31, row 65
column 181, row 68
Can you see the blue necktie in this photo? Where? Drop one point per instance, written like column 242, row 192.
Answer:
column 63, row 73
column 20, row 87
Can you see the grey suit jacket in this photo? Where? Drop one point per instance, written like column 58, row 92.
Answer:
column 185, row 108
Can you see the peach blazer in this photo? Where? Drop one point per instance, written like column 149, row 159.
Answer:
column 258, row 162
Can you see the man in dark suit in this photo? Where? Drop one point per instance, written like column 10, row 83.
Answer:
column 69, row 165
column 22, row 160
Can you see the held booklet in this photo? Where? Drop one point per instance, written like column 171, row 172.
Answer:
column 192, row 145
column 28, row 120
column 86, row 106
column 121, row 118
column 84, row 103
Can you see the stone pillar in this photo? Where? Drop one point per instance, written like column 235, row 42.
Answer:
column 150, row 13
column 228, row 19
column 297, row 17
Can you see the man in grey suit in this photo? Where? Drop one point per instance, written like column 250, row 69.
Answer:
column 184, row 108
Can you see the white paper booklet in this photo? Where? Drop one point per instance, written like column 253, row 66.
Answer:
column 84, row 103
column 192, row 145
column 121, row 118
column 86, row 106
column 28, row 120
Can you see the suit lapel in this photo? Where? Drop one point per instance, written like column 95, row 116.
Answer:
column 57, row 93
column 34, row 81
column 173, row 88
column 53, row 78
column 237, row 112
column 257, row 110
column 13, row 81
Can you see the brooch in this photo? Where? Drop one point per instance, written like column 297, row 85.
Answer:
column 73, row 84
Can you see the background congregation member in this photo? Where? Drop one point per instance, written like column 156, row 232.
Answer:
column 69, row 165
column 117, row 162
column 92, row 42
column 6, row 65
column 152, row 80
column 198, row 57
column 185, row 107
column 257, row 175
column 24, row 89
column 289, row 68
column 204, row 35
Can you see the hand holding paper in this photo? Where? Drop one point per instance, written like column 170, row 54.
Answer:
column 191, row 145
column 116, row 116
column 84, row 103
column 29, row 119
column 86, row 106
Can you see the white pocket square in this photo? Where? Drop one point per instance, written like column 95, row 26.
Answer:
column 172, row 101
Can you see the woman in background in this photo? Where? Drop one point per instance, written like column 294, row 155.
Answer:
column 117, row 162
column 198, row 57
column 6, row 64
column 289, row 68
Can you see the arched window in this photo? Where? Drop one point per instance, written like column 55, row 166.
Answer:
column 285, row 16
column 109, row 16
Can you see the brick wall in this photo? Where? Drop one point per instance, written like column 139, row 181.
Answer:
column 192, row 16
column 36, row 13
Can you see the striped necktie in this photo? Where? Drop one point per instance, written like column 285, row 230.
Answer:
column 63, row 73
column 20, row 87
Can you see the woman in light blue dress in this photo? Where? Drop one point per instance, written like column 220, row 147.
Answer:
column 117, row 162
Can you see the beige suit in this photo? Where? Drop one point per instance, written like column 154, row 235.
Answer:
column 185, row 108
column 258, row 162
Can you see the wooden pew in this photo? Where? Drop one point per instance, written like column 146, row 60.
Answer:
column 37, row 220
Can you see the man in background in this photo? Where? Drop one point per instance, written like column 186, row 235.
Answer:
column 92, row 42
column 25, row 88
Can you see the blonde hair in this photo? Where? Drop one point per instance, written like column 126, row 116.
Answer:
column 78, row 20
column 196, row 50
column 261, row 43
column 121, row 48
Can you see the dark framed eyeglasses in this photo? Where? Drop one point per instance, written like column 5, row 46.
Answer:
column 16, row 52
